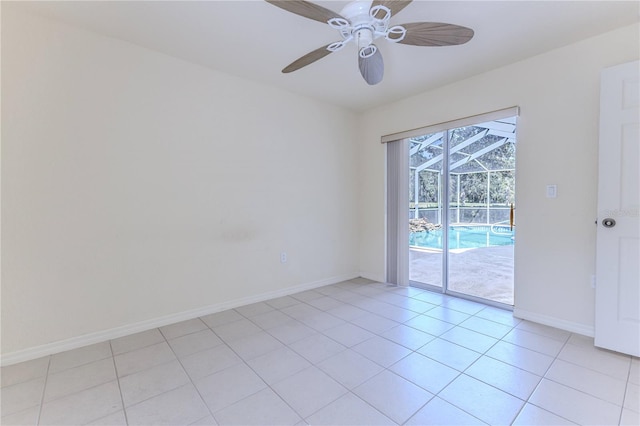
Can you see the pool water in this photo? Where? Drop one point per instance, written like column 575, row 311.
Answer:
column 464, row 237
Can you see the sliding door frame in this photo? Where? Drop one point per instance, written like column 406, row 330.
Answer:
column 444, row 182
column 397, row 197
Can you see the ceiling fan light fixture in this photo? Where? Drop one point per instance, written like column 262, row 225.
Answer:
column 335, row 46
column 380, row 13
column 396, row 34
column 367, row 52
column 338, row 23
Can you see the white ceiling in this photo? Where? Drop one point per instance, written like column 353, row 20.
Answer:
column 255, row 40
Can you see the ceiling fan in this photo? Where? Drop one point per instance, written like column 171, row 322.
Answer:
column 364, row 21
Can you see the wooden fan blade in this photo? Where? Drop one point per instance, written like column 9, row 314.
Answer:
column 394, row 6
column 435, row 34
column 306, row 9
column 372, row 68
column 307, row 59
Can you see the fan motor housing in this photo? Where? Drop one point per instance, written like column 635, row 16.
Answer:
column 358, row 16
column 357, row 12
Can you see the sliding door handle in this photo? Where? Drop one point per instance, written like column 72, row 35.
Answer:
column 511, row 217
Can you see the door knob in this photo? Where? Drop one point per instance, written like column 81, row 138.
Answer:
column 608, row 222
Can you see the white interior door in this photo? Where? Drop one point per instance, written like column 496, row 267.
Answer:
column 618, row 235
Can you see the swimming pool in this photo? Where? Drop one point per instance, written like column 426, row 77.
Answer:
column 461, row 237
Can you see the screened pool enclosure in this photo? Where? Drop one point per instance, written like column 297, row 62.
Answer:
column 482, row 174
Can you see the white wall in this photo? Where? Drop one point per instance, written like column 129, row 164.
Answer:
column 136, row 186
column 558, row 93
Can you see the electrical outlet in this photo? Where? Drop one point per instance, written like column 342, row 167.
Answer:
column 283, row 257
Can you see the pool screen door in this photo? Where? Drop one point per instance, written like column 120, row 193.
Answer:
column 462, row 210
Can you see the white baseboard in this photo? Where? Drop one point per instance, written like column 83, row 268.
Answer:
column 571, row 326
column 371, row 276
column 113, row 333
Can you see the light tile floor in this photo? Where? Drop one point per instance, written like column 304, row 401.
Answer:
column 356, row 352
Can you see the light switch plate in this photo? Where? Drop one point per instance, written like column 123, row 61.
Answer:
column 552, row 191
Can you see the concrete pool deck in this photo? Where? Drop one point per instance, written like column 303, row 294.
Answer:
column 485, row 272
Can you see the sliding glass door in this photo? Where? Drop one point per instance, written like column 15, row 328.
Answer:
column 426, row 213
column 461, row 210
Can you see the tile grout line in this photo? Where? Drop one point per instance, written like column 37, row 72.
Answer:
column 144, row 370
column 555, row 358
column 380, row 300
column 592, row 369
column 44, row 389
column 460, row 373
column 167, row 362
column 258, row 375
column 435, row 395
column 349, row 391
column 76, row 392
column 115, row 367
column 626, row 388
column 251, row 368
column 322, row 332
column 527, row 401
column 186, row 373
column 384, row 368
